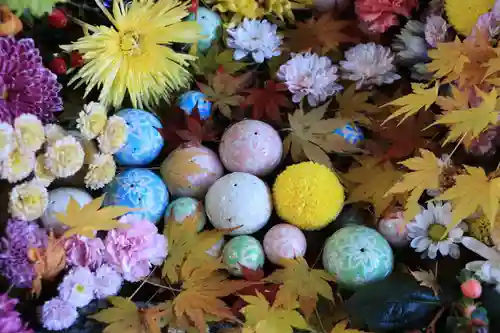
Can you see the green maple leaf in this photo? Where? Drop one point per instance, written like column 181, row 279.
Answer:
column 35, row 7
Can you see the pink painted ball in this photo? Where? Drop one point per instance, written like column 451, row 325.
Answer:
column 284, row 241
column 251, row 146
column 190, row 170
column 393, row 227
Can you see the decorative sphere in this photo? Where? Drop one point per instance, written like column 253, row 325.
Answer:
column 351, row 133
column 239, row 200
column 308, row 195
column 190, row 99
column 144, row 142
column 58, row 201
column 138, row 188
column 284, row 241
column 393, row 227
column 185, row 208
column 190, row 171
column 251, row 146
column 210, row 23
column 243, row 251
column 357, row 255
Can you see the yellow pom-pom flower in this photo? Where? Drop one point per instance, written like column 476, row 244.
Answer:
column 6, row 140
column 18, row 165
column 134, row 56
column 91, row 120
column 101, row 171
column 28, row 201
column 64, row 157
column 114, row 136
column 30, row 133
column 308, row 195
column 463, row 14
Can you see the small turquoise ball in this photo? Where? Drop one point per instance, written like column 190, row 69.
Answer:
column 351, row 133
column 138, row 188
column 243, row 251
column 184, row 208
column 357, row 255
column 190, row 99
column 210, row 23
column 144, row 142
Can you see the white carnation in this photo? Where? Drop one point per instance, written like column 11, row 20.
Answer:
column 6, row 140
column 101, row 171
column 54, row 132
column 114, row 136
column 28, row 201
column 18, row 165
column 30, row 134
column 77, row 287
column 64, row 157
column 91, row 120
column 42, row 174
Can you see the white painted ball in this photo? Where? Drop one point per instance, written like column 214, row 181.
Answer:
column 239, row 200
column 393, row 227
column 284, row 241
column 58, row 201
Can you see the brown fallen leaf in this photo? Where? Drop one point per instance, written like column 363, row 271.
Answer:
column 427, row 279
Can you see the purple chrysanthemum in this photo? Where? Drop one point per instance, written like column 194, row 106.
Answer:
column 10, row 319
column 26, row 86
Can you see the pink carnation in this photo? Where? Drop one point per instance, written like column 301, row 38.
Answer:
column 131, row 251
column 382, row 14
column 83, row 251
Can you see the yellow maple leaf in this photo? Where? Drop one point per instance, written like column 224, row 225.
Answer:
column 262, row 318
column 471, row 121
column 302, row 284
column 91, row 217
column 341, row 327
column 472, row 191
column 354, row 105
column 420, row 98
column 448, row 60
column 459, row 100
column 363, row 186
column 425, row 172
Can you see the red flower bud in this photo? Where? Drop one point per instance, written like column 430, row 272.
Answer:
column 471, row 288
column 58, row 18
column 58, row 66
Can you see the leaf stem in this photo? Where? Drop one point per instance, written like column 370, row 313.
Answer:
column 456, row 147
column 162, row 286
column 319, row 321
column 142, row 284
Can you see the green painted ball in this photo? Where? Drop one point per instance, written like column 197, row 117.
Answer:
column 357, row 255
column 243, row 251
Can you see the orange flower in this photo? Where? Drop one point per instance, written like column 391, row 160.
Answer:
column 10, row 24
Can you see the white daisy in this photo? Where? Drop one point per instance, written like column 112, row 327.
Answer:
column 77, row 287
column 255, row 37
column 427, row 230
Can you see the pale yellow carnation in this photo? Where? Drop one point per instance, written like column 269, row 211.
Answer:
column 101, row 171
column 54, row 132
column 114, row 136
column 91, row 120
column 42, row 174
column 6, row 140
column 64, row 157
column 18, row 165
column 28, row 201
column 30, row 134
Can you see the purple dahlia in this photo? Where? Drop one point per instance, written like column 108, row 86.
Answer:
column 10, row 319
column 26, row 86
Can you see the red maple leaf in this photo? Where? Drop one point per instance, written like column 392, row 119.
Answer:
column 267, row 101
column 196, row 130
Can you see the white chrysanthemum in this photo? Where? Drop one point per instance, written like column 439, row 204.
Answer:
column 54, row 132
column 101, row 171
column 6, row 140
column 369, row 64
column 28, row 201
column 77, row 287
column 30, row 134
column 18, row 165
column 108, row 282
column 309, row 75
column 427, row 230
column 254, row 37
column 114, row 136
column 58, row 315
column 42, row 174
column 91, row 120
column 64, row 157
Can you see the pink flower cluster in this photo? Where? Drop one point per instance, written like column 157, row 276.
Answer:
column 382, row 14
column 84, row 252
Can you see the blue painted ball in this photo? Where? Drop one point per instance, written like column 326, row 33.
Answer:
column 138, row 188
column 351, row 133
column 190, row 99
column 210, row 23
column 144, row 142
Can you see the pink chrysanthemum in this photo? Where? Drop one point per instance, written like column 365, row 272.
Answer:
column 10, row 319
column 58, row 314
column 83, row 251
column 382, row 14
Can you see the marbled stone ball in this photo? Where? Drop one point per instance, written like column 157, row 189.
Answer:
column 243, row 251
column 185, row 208
column 284, row 241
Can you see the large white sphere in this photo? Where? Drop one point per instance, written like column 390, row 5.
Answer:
column 58, row 201
column 239, row 200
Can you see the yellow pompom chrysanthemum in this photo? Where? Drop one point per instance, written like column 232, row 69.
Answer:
column 308, row 195
column 463, row 14
column 134, row 56
column 480, row 230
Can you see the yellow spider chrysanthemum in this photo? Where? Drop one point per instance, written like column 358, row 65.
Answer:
column 134, row 55
column 463, row 14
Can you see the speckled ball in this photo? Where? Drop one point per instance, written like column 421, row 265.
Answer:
column 144, row 142
column 58, row 202
column 357, row 255
column 188, row 100
column 210, row 22
column 139, row 188
column 393, row 227
column 182, row 209
column 243, row 251
column 351, row 133
column 251, row 146
column 284, row 241
column 239, row 200
column 190, row 171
